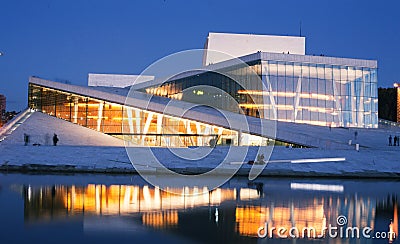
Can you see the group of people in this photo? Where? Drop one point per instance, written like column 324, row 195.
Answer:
column 395, row 139
column 27, row 139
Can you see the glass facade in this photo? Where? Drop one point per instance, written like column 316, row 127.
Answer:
column 319, row 94
column 137, row 126
column 311, row 93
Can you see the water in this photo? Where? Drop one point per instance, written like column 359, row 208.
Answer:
column 105, row 209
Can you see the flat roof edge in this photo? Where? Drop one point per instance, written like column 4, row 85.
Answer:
column 366, row 63
column 79, row 90
column 255, row 34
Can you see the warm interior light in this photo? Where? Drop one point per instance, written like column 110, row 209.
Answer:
column 287, row 107
column 250, row 218
column 287, row 94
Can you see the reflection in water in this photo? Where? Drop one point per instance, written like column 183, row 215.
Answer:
column 250, row 218
column 316, row 213
column 118, row 199
column 158, row 208
column 161, row 220
column 241, row 209
column 394, row 225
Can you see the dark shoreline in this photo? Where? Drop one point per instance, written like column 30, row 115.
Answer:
column 71, row 169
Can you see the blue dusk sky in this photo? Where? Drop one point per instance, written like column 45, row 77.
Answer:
column 65, row 40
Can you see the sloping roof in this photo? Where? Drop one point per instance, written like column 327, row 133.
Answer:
column 303, row 134
column 40, row 128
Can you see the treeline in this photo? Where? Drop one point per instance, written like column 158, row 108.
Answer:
column 387, row 104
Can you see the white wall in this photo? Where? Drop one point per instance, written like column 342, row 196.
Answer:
column 116, row 80
column 238, row 45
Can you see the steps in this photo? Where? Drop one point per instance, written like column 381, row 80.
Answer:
column 13, row 124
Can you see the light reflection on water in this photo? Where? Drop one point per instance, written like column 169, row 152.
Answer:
column 231, row 213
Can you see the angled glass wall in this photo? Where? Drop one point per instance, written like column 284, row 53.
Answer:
column 320, row 94
column 220, row 89
column 311, row 93
column 137, row 126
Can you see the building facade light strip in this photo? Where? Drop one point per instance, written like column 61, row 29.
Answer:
column 317, row 160
column 289, row 107
column 90, row 105
column 288, row 94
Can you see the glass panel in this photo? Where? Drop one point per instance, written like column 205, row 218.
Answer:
column 343, row 74
column 112, row 118
column 297, row 70
column 313, row 79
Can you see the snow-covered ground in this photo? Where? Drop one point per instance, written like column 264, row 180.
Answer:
column 83, row 150
column 365, row 163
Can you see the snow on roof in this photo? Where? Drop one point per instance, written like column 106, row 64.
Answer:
column 116, row 80
column 40, row 127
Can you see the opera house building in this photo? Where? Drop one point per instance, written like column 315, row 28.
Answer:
column 268, row 77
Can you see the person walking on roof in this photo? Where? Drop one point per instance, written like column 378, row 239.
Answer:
column 55, row 139
column 26, row 139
